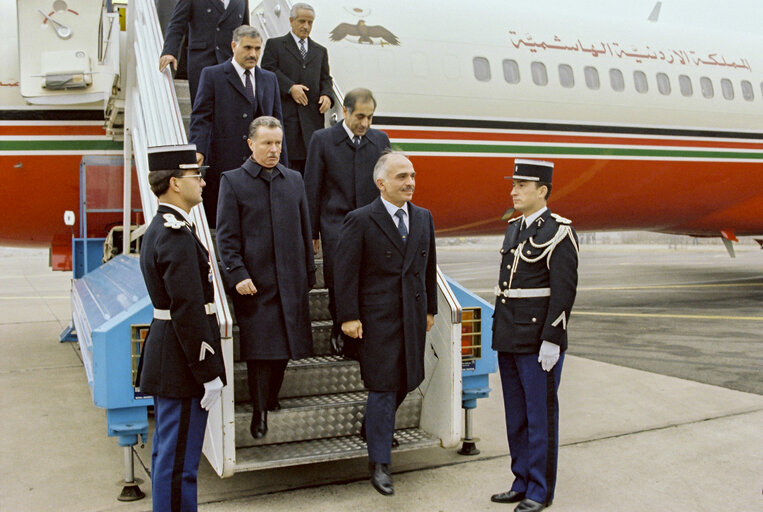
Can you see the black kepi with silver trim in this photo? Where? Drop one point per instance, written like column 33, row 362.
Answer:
column 171, row 158
column 533, row 170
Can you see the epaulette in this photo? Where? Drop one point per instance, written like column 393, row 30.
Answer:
column 560, row 219
column 172, row 221
column 514, row 219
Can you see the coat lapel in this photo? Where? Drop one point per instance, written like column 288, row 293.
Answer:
column 235, row 80
column 416, row 229
column 380, row 215
column 217, row 5
column 312, row 51
column 291, row 46
column 233, row 5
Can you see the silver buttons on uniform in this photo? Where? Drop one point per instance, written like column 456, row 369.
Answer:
column 503, row 301
column 505, row 283
column 535, row 319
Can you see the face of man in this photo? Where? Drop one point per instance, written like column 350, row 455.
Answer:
column 398, row 186
column 247, row 51
column 266, row 146
column 302, row 25
column 188, row 188
column 359, row 120
column 528, row 197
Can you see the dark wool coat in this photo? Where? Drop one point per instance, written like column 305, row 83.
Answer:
column 263, row 233
column 390, row 286
column 176, row 269
column 282, row 57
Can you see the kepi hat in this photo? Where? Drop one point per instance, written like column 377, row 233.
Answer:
column 533, row 170
column 172, row 158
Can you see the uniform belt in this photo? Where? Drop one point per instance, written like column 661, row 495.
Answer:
column 523, row 293
column 164, row 314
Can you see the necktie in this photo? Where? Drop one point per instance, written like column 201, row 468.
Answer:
column 401, row 225
column 249, row 87
column 356, row 140
column 302, row 48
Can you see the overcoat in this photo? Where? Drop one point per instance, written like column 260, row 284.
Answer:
column 220, row 122
column 263, row 233
column 339, row 179
column 181, row 354
column 281, row 56
column 391, row 286
column 209, row 27
column 543, row 255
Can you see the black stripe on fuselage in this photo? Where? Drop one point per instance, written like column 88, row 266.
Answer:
column 431, row 122
column 51, row 115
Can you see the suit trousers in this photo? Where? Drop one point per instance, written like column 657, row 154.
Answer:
column 380, row 423
column 265, row 378
column 178, row 436
column 532, row 422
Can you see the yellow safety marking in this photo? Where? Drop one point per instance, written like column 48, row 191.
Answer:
column 661, row 315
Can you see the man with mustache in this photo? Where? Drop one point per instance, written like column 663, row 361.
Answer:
column 263, row 234
column 231, row 95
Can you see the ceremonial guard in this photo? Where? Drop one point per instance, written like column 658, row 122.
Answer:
column 534, row 297
column 181, row 364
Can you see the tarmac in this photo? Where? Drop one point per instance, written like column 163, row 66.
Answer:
column 630, row 440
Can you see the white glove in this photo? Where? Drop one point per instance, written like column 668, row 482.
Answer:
column 548, row 355
column 212, row 391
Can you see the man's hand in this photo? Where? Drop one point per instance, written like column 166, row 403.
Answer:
column 548, row 355
column 430, row 321
column 324, row 103
column 212, row 391
column 353, row 329
column 199, row 159
column 164, row 60
column 316, row 246
column 297, row 92
column 246, row 287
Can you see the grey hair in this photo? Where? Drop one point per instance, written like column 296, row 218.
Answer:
column 298, row 6
column 266, row 121
column 245, row 31
column 380, row 169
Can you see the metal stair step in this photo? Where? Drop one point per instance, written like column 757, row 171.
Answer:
column 321, row 337
column 318, row 417
column 321, row 375
column 321, row 450
column 319, row 304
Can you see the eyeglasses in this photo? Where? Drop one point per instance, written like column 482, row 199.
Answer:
column 199, row 176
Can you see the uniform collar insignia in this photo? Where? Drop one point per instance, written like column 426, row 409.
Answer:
column 173, row 222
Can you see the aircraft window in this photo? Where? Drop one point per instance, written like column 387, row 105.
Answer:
column 616, row 79
column 727, row 88
column 684, row 82
column 747, row 93
column 591, row 77
column 566, row 78
column 511, row 71
column 663, row 84
column 707, row 87
column 481, row 69
column 540, row 77
column 639, row 80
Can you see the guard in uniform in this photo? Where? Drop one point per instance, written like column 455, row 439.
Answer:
column 181, row 364
column 534, row 297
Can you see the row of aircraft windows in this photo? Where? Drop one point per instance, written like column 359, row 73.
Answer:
column 539, row 76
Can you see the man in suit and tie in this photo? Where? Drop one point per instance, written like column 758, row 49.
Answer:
column 231, row 95
column 182, row 364
column 339, row 179
column 386, row 298
column 209, row 25
column 302, row 67
column 536, row 289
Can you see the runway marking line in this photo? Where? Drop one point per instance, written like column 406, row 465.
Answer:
column 668, row 315
column 667, row 286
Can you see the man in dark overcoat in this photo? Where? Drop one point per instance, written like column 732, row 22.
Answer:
column 302, row 67
column 535, row 293
column 181, row 364
column 387, row 298
column 263, row 234
column 231, row 96
column 209, row 25
column 339, row 179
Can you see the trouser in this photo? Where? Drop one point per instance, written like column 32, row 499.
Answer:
column 532, row 422
column 265, row 377
column 178, row 437
column 380, row 423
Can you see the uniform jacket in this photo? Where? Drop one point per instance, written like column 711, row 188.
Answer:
column 390, row 286
column 183, row 353
column 263, row 233
column 220, row 121
column 210, row 29
column 282, row 57
column 549, row 259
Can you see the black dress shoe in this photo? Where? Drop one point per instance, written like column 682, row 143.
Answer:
column 275, row 407
column 507, row 497
column 528, row 505
column 381, row 479
column 259, row 425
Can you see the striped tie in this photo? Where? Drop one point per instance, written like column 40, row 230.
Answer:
column 302, row 48
column 401, row 225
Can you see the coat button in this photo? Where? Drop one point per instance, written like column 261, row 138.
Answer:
column 505, row 283
column 503, row 301
column 528, row 251
column 217, row 47
column 512, row 251
column 218, row 29
column 416, row 274
column 243, row 137
column 535, row 319
column 209, row 10
column 423, row 253
column 244, row 115
column 508, row 267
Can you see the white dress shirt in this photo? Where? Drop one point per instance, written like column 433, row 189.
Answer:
column 240, row 70
column 350, row 134
column 529, row 220
column 392, row 209
column 297, row 39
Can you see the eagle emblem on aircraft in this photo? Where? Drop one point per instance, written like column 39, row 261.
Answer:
column 366, row 34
